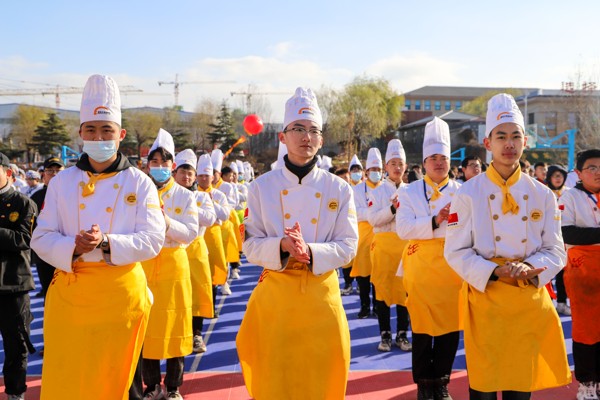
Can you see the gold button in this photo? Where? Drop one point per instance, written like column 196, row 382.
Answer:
column 497, row 238
column 167, row 196
column 451, row 194
column 116, row 185
column 108, row 209
column 523, row 241
column 318, row 195
column 287, row 216
column 432, row 206
column 8, row 205
column 285, row 192
column 82, row 183
column 313, row 221
column 525, row 197
column 524, row 218
column 495, row 217
column 169, row 209
column 492, row 197
column 81, row 206
column 80, row 259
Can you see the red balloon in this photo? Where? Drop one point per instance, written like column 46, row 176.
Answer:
column 253, row 125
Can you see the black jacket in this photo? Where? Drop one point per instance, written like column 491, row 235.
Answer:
column 17, row 214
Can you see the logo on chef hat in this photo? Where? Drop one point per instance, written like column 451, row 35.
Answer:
column 504, row 114
column 306, row 110
column 102, row 110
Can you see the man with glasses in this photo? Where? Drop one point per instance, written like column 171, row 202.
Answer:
column 471, row 167
column 300, row 226
column 52, row 166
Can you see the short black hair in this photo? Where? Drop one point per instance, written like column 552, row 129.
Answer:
column 414, row 176
column 356, row 166
column 585, row 155
column 539, row 164
column 186, row 167
column 466, row 160
column 341, row 171
column 226, row 170
column 165, row 155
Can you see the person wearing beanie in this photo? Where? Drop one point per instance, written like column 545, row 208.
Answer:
column 197, row 251
column 555, row 180
column 100, row 219
column 300, row 226
column 433, row 287
column 580, row 214
column 386, row 250
column 169, row 335
column 361, row 266
column 213, row 235
column 33, row 182
column 504, row 239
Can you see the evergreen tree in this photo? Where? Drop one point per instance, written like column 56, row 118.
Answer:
column 222, row 132
column 50, row 134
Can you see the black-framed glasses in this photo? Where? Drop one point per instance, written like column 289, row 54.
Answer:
column 299, row 131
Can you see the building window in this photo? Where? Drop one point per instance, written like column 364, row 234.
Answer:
column 407, row 104
column 458, row 105
column 531, row 118
column 427, row 105
column 448, row 105
column 438, row 105
column 417, row 105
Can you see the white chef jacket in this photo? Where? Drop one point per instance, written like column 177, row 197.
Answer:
column 125, row 206
column 362, row 192
column 323, row 204
column 180, row 207
column 478, row 230
column 229, row 190
column 579, row 209
column 222, row 208
column 413, row 218
column 207, row 215
column 379, row 213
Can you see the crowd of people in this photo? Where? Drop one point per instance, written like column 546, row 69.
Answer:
column 130, row 261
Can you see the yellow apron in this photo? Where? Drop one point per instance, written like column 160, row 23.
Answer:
column 202, row 299
column 230, row 242
column 362, row 262
column 513, row 338
column 235, row 220
column 169, row 332
column 94, row 324
column 433, row 288
column 216, row 254
column 294, row 341
column 582, row 279
column 386, row 253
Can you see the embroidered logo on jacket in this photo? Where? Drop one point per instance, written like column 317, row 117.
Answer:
column 13, row 216
column 131, row 198
column 453, row 219
column 536, row 215
column 333, row 205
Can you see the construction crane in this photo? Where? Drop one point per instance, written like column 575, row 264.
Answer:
column 176, row 83
column 58, row 91
column 250, row 93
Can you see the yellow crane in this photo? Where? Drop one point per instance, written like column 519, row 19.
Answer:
column 176, row 84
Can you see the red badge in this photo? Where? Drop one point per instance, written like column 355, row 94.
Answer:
column 246, row 213
column 561, row 207
column 453, row 218
column 370, row 204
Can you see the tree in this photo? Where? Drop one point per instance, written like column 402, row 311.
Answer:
column 26, row 120
column 173, row 124
column 142, row 127
column 222, row 133
column 367, row 108
column 50, row 135
column 478, row 106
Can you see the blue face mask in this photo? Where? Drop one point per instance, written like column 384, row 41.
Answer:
column 374, row 176
column 160, row 174
column 356, row 176
column 100, row 151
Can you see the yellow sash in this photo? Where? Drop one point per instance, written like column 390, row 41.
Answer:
column 508, row 201
column 533, row 356
column 310, row 369
column 433, row 288
column 386, row 253
column 436, row 186
column 90, row 186
column 202, row 300
column 94, row 313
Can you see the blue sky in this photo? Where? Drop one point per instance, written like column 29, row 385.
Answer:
column 275, row 45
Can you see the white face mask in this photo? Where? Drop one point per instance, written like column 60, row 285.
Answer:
column 374, row 176
column 100, row 151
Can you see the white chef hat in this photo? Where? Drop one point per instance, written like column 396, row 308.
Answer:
column 234, row 167
column 302, row 106
column 326, row 163
column 437, row 138
column 248, row 172
column 217, row 159
column 204, row 166
column 355, row 161
column 164, row 140
column 374, row 158
column 502, row 108
column 281, row 152
column 394, row 150
column 101, row 100
column 186, row 157
column 240, row 167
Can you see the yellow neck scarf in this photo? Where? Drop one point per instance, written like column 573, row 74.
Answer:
column 219, row 182
column 371, row 184
column 436, row 187
column 205, row 191
column 164, row 190
column 90, row 187
column 508, row 202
